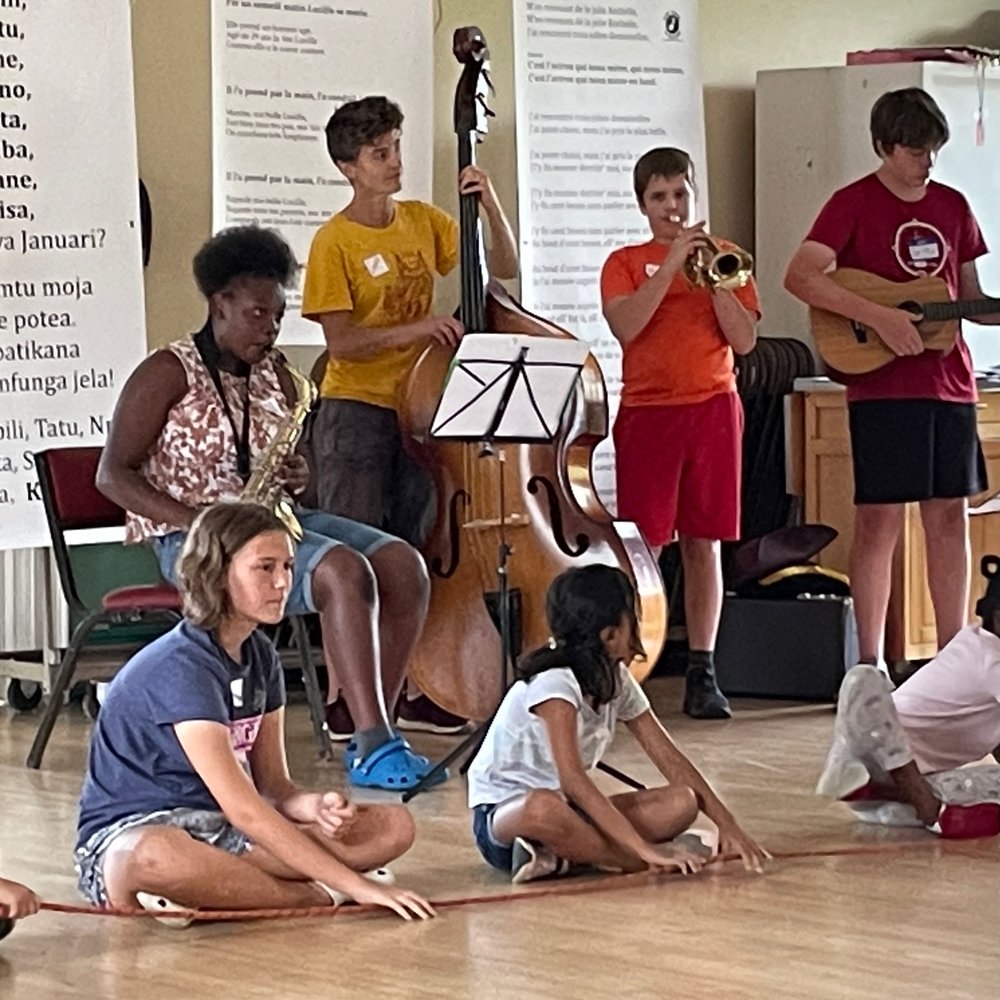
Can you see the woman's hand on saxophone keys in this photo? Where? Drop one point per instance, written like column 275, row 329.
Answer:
column 294, row 474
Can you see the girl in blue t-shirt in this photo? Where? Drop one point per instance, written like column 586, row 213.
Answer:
column 536, row 810
column 187, row 800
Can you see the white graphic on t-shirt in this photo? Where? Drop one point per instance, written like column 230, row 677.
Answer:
column 376, row 265
column 236, row 689
column 920, row 248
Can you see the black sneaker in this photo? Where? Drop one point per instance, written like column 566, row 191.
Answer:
column 421, row 715
column 702, row 697
column 339, row 724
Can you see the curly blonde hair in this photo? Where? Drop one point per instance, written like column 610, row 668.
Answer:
column 218, row 533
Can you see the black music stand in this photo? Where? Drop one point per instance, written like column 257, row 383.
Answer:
column 502, row 388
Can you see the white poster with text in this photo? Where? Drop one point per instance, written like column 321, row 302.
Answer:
column 71, row 302
column 279, row 70
column 597, row 86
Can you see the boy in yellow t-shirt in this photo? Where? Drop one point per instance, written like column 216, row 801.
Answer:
column 370, row 285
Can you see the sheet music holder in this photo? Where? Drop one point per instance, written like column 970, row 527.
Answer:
column 505, row 387
column 502, row 388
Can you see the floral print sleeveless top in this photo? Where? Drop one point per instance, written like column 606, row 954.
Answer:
column 194, row 458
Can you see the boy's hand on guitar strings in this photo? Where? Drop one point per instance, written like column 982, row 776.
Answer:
column 899, row 333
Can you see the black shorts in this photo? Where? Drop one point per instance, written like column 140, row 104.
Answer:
column 906, row 450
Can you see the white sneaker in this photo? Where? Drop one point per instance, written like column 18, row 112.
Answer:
column 160, row 904
column 531, row 861
column 383, row 876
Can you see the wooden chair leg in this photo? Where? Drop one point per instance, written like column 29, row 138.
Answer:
column 311, row 681
column 64, row 677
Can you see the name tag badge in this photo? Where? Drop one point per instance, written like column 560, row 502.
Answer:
column 651, row 269
column 376, row 265
column 924, row 248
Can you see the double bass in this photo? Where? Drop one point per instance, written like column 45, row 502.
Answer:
column 534, row 504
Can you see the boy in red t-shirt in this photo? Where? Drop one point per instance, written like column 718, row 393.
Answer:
column 912, row 422
column 678, row 433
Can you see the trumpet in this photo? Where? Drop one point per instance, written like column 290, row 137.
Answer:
column 710, row 267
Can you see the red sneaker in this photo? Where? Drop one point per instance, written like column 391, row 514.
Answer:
column 968, row 822
column 872, row 793
column 421, row 715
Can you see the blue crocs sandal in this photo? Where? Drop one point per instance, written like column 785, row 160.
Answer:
column 393, row 766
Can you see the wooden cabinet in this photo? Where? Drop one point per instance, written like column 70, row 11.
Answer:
column 820, row 461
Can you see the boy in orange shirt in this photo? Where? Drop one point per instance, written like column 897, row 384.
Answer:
column 678, row 433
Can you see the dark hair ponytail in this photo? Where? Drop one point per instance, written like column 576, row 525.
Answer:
column 579, row 605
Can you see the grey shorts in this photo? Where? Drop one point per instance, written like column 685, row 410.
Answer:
column 206, row 825
column 361, row 470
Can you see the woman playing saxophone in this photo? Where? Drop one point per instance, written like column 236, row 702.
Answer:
column 215, row 411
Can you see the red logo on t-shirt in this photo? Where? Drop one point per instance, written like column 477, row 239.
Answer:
column 243, row 735
column 920, row 248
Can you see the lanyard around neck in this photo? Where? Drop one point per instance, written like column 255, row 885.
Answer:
column 208, row 350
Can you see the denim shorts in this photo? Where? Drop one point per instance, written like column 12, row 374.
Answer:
column 498, row 855
column 320, row 533
column 206, row 825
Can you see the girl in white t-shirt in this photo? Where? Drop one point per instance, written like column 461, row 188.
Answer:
column 535, row 808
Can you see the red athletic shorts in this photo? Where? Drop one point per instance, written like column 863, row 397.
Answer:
column 678, row 467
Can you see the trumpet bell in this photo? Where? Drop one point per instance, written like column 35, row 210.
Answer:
column 712, row 268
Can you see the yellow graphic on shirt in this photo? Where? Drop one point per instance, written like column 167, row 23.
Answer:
column 420, row 241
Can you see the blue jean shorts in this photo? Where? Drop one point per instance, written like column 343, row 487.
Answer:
column 500, row 856
column 206, row 825
column 320, row 533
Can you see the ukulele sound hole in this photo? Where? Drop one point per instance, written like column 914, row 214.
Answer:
column 860, row 331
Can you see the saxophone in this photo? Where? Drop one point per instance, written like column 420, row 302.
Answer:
column 264, row 487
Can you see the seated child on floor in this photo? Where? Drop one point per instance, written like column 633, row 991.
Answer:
column 16, row 901
column 187, row 798
column 535, row 808
column 898, row 757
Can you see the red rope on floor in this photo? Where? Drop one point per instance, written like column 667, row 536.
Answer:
column 604, row 883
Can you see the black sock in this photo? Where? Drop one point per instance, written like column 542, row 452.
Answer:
column 368, row 740
column 701, row 659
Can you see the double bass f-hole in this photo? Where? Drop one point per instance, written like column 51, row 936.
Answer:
column 540, row 483
column 455, row 518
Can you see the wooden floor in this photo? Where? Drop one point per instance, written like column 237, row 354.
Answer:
column 920, row 920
